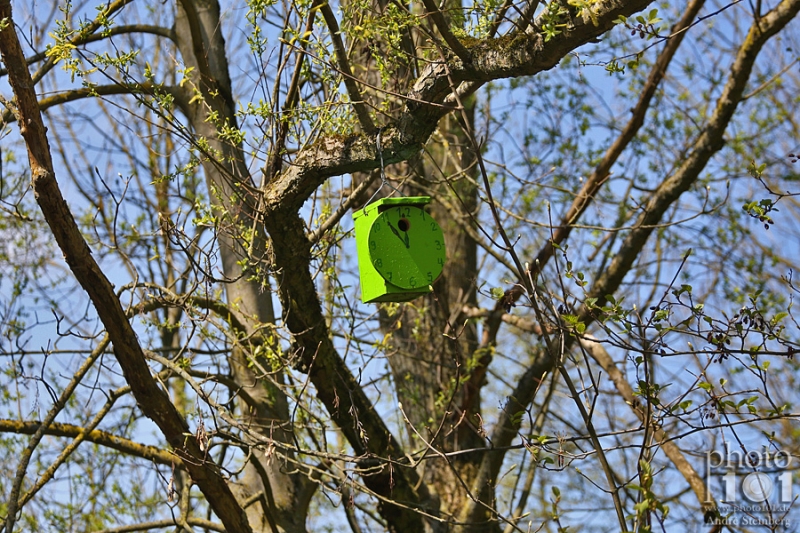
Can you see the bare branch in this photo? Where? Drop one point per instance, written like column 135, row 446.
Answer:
column 162, row 524
column 74, row 95
column 444, row 29
column 362, row 112
column 709, row 142
column 671, row 450
column 602, row 171
column 102, row 438
column 15, row 500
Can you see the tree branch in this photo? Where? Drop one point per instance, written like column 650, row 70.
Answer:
column 102, row 438
column 115, row 30
column 275, row 159
column 152, row 399
column 603, row 170
column 519, row 55
column 507, row 426
column 15, row 501
column 444, row 29
column 671, row 450
column 347, row 73
column 79, row 38
column 708, row 143
column 403, row 497
column 68, row 450
column 99, row 90
column 163, row 524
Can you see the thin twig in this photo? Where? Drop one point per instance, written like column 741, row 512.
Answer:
column 444, row 29
column 14, row 502
column 362, row 112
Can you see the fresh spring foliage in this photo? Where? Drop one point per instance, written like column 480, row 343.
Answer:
column 617, row 184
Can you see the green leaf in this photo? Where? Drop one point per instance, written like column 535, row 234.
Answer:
column 779, row 316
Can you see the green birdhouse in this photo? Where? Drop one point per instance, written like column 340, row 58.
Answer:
column 400, row 249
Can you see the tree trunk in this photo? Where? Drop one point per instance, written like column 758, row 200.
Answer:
column 284, row 498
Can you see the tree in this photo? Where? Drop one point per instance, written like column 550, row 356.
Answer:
column 609, row 177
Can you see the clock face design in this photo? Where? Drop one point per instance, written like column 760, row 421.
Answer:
column 406, row 247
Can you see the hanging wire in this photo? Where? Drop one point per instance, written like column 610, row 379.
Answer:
column 384, row 181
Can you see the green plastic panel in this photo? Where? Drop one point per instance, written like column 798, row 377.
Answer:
column 401, row 249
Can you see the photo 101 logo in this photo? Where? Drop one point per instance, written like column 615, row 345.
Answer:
column 753, row 488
